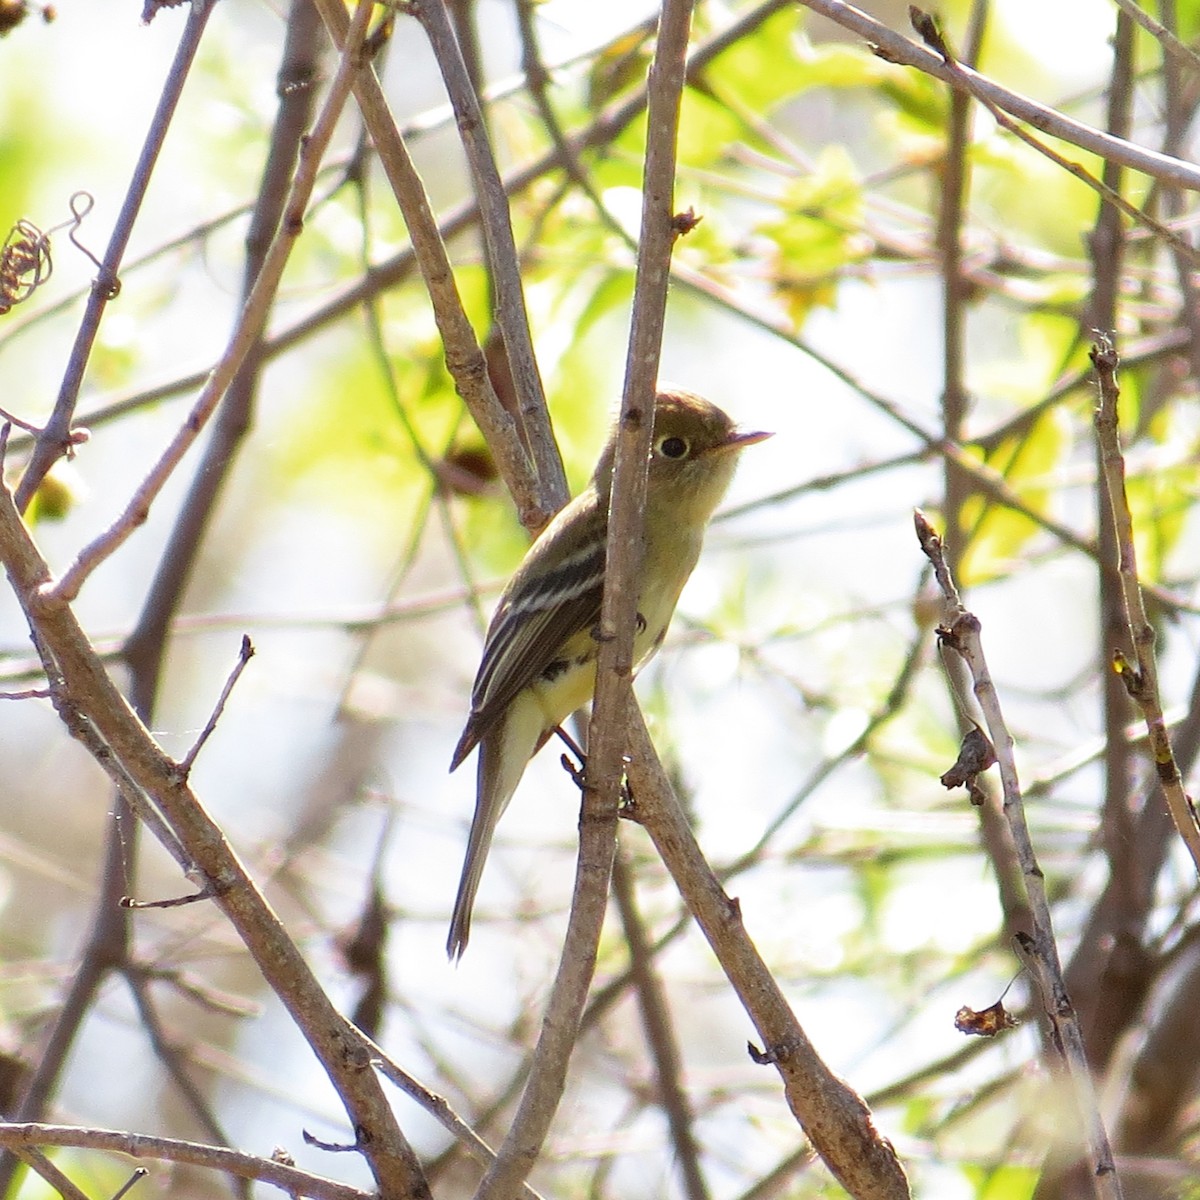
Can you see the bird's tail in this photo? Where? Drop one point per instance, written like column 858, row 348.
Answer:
column 503, row 754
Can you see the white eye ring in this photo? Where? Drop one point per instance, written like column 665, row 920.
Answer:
column 672, row 446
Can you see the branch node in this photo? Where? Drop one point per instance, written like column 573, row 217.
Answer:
column 1131, row 677
column 682, row 223
column 771, row 1055
column 46, row 599
column 930, row 33
column 975, row 755
column 966, row 626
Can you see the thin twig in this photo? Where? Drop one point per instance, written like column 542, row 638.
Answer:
column 464, row 358
column 134, row 1179
column 961, row 633
column 1140, row 677
column 297, row 87
column 107, row 942
column 537, row 79
column 13, row 419
column 438, row 1107
column 1141, row 351
column 172, row 1060
column 1108, row 248
column 61, row 1183
column 959, row 486
column 144, row 649
column 87, row 735
column 496, row 223
column 606, row 126
column 438, row 494
column 953, row 203
column 832, row 1114
column 606, row 996
column 198, row 991
column 245, row 336
column 245, row 654
column 1171, row 45
column 390, row 1158
column 659, row 1032
column 129, row 902
column 289, row 85
column 985, row 479
column 1180, row 96
column 55, row 438
column 215, row 1158
column 607, row 740
column 898, row 49
column 929, row 31
column 283, row 966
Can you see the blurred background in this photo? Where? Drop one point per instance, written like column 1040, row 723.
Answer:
column 361, row 536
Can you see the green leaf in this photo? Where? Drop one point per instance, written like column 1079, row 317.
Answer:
column 1160, row 502
column 1005, row 1182
column 841, row 65
column 706, row 128
column 817, row 234
column 346, row 443
column 614, row 291
column 766, row 68
column 619, row 66
column 1023, row 191
column 1030, row 468
column 1187, row 17
column 1047, row 344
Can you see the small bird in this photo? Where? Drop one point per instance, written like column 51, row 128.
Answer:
column 539, row 655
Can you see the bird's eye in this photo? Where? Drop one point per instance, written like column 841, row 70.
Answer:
column 673, row 447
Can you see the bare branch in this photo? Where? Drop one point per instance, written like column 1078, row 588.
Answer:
column 173, row 1061
column 297, row 87
column 89, row 687
column 245, row 336
column 961, row 633
column 440, row 1110
column 986, row 480
column 245, row 654
column 832, row 1114
column 601, row 131
column 1141, row 677
column 897, row 49
column 55, row 438
column 1184, row 55
column 496, row 223
column 1109, row 194
column 134, row 1179
column 216, row 1158
column 607, row 736
column 60, row 1182
column 464, row 359
column 659, row 1031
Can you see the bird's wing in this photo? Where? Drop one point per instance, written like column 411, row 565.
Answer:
column 546, row 604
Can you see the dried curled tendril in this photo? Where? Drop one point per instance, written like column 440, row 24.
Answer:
column 25, row 260
column 24, row 264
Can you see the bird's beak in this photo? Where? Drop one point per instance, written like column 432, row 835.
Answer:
column 740, row 439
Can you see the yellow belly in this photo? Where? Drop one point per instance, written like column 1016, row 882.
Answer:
column 575, row 684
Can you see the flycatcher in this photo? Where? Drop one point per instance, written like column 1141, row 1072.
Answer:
column 539, row 655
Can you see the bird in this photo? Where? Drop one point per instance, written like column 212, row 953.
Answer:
column 539, row 653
